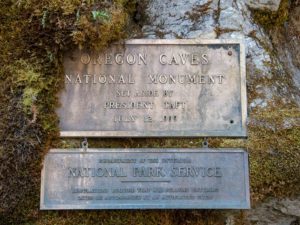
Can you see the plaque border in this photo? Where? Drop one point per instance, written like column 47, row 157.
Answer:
column 212, row 133
column 238, row 205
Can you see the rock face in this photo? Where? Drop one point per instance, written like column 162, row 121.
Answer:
column 272, row 56
column 228, row 19
column 264, row 4
column 276, row 212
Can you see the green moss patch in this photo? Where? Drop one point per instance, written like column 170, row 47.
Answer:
column 34, row 35
column 269, row 19
column 274, row 151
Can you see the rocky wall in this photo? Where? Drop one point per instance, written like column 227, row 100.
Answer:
column 33, row 36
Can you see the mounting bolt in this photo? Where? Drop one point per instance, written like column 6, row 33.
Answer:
column 229, row 53
column 205, row 143
column 85, row 144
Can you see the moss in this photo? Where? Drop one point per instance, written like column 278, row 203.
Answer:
column 219, row 31
column 270, row 19
column 99, row 35
column 139, row 217
column 34, row 34
column 198, row 11
column 27, row 77
column 273, row 146
column 159, row 33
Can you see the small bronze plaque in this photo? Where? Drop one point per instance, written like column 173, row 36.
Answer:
column 155, row 88
column 145, row 179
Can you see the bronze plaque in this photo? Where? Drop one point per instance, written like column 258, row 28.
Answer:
column 155, row 88
column 145, row 179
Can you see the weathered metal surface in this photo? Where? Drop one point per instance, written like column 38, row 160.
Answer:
column 156, row 88
column 145, row 178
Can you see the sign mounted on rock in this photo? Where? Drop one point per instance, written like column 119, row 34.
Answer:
column 156, row 88
column 145, row 179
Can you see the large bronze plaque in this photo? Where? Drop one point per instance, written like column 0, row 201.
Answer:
column 145, row 178
column 155, row 88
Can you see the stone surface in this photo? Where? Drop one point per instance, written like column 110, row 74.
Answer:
column 286, row 41
column 273, row 67
column 156, row 88
column 276, row 212
column 272, row 5
column 145, row 178
column 229, row 19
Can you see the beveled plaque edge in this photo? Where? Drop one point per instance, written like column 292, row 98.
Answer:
column 241, row 205
column 122, row 134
